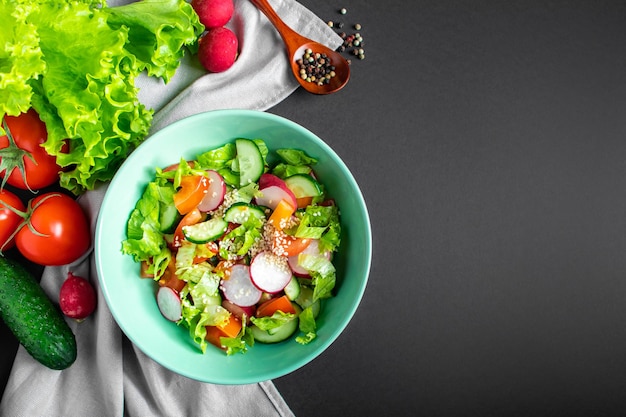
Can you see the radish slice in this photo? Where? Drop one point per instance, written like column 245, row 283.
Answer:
column 312, row 249
column 274, row 189
column 269, row 272
column 169, row 303
column 239, row 289
column 272, row 196
column 268, row 180
column 215, row 194
column 239, row 311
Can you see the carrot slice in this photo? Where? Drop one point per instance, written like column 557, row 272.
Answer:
column 230, row 329
column 304, row 201
column 281, row 214
column 192, row 190
column 273, row 305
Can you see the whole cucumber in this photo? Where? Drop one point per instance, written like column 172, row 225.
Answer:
column 36, row 323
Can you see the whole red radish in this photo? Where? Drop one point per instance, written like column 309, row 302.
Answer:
column 218, row 49
column 77, row 297
column 213, row 13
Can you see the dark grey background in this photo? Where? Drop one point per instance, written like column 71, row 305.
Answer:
column 489, row 141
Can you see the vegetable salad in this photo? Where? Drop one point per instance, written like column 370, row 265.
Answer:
column 241, row 250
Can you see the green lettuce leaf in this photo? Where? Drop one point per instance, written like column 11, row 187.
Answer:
column 158, row 31
column 241, row 239
column 294, row 161
column 307, row 326
column 295, row 157
column 144, row 239
column 196, row 318
column 21, row 59
column 320, row 222
column 218, row 158
column 323, row 274
column 76, row 63
column 240, row 343
column 272, row 322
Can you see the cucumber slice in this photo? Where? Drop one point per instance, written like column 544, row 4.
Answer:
column 278, row 334
column 283, row 332
column 239, row 212
column 168, row 218
column 206, row 231
column 292, row 290
column 303, row 185
column 249, row 160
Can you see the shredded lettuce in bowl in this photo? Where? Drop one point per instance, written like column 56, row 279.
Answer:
column 75, row 62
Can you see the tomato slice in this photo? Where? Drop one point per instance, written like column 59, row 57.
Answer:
column 143, row 270
column 192, row 190
column 170, row 279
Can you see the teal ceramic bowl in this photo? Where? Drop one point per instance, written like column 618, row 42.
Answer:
column 131, row 299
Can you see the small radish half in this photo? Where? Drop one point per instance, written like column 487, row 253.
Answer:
column 239, row 289
column 270, row 272
column 215, row 194
column 169, row 303
column 312, row 249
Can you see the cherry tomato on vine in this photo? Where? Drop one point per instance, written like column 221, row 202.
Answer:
column 9, row 219
column 24, row 163
column 57, row 232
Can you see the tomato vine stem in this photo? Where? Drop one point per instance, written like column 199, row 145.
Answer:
column 26, row 215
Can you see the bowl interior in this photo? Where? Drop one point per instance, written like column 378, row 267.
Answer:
column 131, row 298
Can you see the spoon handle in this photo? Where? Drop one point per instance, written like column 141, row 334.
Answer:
column 291, row 38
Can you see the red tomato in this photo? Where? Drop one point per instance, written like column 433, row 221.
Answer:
column 192, row 190
column 58, row 232
column 24, row 162
column 170, row 278
column 9, row 219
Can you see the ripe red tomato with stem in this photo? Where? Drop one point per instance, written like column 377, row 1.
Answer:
column 55, row 230
column 9, row 219
column 24, row 163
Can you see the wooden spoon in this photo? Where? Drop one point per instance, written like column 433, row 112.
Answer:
column 297, row 45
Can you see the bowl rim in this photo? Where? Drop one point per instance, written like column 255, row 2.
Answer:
column 367, row 253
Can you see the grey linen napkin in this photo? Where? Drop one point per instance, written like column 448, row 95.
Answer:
column 111, row 377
